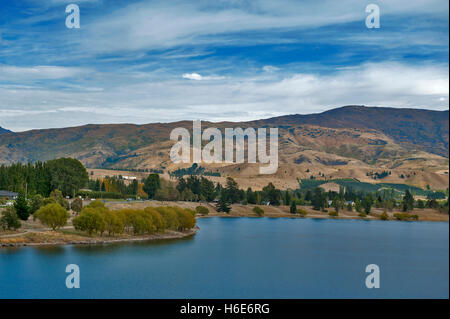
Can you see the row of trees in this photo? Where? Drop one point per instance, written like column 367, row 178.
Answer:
column 66, row 174
column 98, row 219
column 117, row 185
column 53, row 211
column 196, row 188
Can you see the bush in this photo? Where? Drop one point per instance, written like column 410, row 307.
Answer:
column 36, row 202
column 77, row 205
column 384, row 216
column 258, row 211
column 52, row 215
column 58, row 196
column 9, row 219
column 202, row 210
column 362, row 215
column 406, row 216
column 302, row 212
column 333, row 214
column 96, row 218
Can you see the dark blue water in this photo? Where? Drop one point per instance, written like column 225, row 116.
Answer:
column 245, row 258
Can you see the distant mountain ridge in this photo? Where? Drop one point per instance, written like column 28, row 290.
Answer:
column 2, row 130
column 368, row 134
column 425, row 129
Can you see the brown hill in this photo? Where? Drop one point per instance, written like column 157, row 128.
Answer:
column 352, row 141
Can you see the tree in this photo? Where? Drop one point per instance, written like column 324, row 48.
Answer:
column 293, row 208
column 67, row 175
column 271, row 194
column 77, row 205
column 222, row 204
column 52, row 215
column 258, row 211
column 89, row 220
column 251, row 196
column 57, row 195
column 202, row 210
column 21, row 207
column 36, row 202
column 9, row 219
column 367, row 204
column 408, row 201
column 151, row 184
column 231, row 191
column 318, row 199
column 358, row 206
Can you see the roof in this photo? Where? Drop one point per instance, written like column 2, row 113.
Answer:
column 7, row 193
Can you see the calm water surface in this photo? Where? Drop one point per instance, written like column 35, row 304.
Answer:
column 245, row 258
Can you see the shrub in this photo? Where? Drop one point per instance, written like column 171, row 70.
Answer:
column 333, row 214
column 302, row 212
column 9, row 219
column 384, row 216
column 202, row 210
column 362, row 215
column 406, row 216
column 52, row 215
column 258, row 211
column 77, row 205
column 36, row 202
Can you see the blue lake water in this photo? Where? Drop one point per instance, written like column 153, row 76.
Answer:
column 245, row 258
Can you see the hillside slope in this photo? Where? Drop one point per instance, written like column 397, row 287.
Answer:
column 352, row 141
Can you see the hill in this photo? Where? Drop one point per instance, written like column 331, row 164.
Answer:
column 2, row 130
column 348, row 142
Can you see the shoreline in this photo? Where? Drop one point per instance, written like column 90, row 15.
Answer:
column 61, row 241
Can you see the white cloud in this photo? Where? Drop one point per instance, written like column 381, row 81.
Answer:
column 40, row 72
column 192, row 76
column 162, row 24
column 270, row 68
column 232, row 98
column 198, row 77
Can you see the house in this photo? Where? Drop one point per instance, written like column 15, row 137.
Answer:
column 7, row 194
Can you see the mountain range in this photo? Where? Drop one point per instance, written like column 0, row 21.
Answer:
column 346, row 142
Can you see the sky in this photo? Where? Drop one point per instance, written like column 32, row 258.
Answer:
column 162, row 61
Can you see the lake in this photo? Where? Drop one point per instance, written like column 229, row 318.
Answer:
column 245, row 258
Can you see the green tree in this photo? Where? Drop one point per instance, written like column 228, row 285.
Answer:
column 202, row 210
column 258, row 211
column 57, row 195
column 367, row 204
column 52, row 215
column 151, row 184
column 318, row 200
column 21, row 207
column 68, row 175
column 36, row 202
column 231, row 191
column 90, row 220
column 9, row 219
column 293, row 208
column 222, row 204
column 271, row 194
column 77, row 205
column 408, row 201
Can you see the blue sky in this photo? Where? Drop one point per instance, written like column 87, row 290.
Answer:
column 160, row 61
